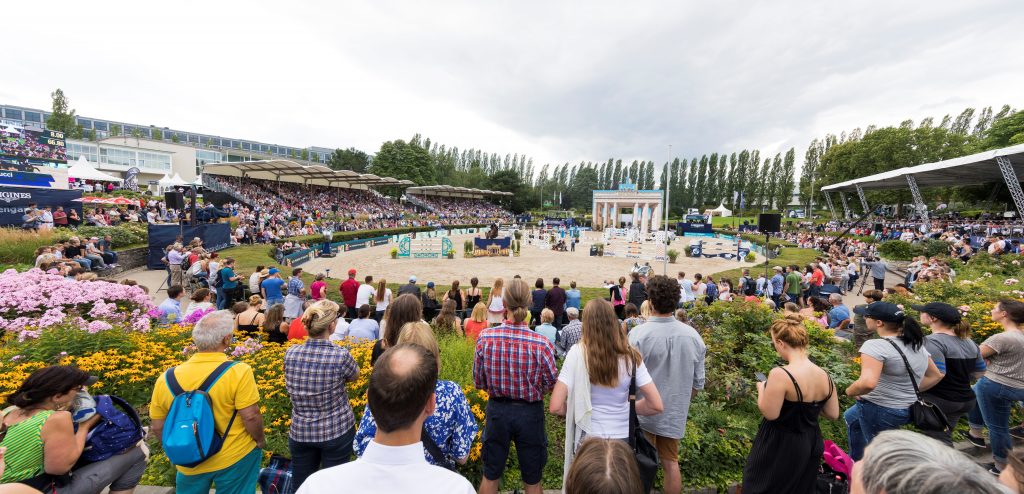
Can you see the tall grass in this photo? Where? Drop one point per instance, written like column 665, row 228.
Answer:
column 19, row 246
column 456, row 358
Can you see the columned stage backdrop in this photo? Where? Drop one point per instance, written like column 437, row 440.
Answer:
column 646, row 208
column 215, row 236
column 14, row 200
column 491, row 247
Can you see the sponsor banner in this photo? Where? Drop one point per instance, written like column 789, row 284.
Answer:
column 215, row 236
column 14, row 200
column 296, row 258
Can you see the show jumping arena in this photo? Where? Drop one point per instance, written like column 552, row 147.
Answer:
column 535, row 261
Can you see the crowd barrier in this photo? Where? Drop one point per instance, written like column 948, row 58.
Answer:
column 722, row 246
column 648, row 251
column 298, row 257
column 423, row 247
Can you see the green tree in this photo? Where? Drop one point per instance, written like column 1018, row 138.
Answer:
column 115, row 130
column 404, row 161
column 91, row 135
column 502, row 180
column 808, row 174
column 157, row 134
column 771, row 191
column 355, row 160
column 787, row 179
column 305, row 154
column 175, row 139
column 1007, row 130
column 691, row 185
column 617, row 175
column 581, row 191
column 711, row 182
column 62, row 116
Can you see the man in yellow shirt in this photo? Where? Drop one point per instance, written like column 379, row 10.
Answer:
column 234, row 469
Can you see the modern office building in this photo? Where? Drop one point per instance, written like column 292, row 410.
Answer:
column 231, row 149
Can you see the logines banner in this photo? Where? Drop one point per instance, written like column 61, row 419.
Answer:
column 14, row 200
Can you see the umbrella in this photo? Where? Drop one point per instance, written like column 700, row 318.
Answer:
column 95, row 200
column 124, row 201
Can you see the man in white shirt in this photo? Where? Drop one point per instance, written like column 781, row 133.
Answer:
column 365, row 292
column 402, row 381
column 685, row 289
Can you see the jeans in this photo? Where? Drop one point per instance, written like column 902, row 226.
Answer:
column 865, row 420
column 953, row 410
column 274, row 301
column 85, row 263
column 109, row 257
column 308, row 458
column 993, row 411
column 96, row 261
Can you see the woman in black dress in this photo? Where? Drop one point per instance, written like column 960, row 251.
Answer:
column 788, row 447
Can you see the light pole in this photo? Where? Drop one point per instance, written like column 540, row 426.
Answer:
column 668, row 180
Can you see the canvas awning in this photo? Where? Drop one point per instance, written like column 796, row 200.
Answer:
column 451, row 191
column 292, row 172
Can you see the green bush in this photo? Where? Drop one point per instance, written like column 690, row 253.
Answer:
column 672, row 255
column 750, row 257
column 897, row 250
column 121, row 235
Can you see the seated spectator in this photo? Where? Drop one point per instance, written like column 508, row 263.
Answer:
column 633, row 319
column 838, row 316
column 42, row 442
column 297, row 328
column 250, row 320
column 364, row 327
column 476, row 322
column 402, row 391
column 451, row 427
column 905, row 462
column 200, row 301
column 604, row 466
column 446, row 321
column 235, row 467
column 571, row 333
column 170, row 308
column 546, row 328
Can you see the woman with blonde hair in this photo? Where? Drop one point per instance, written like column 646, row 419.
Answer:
column 250, row 320
column 790, row 399
column 446, row 321
column 381, row 300
column 451, row 428
column 315, row 373
column 495, row 306
column 476, row 322
column 593, row 387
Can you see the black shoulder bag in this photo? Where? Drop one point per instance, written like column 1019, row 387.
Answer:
column 645, row 452
column 435, row 451
column 926, row 416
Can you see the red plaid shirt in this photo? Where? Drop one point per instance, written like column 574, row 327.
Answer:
column 515, row 363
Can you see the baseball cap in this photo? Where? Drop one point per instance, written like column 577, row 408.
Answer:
column 882, row 311
column 941, row 311
column 777, row 268
column 412, row 279
column 352, row 272
column 430, row 284
column 273, row 271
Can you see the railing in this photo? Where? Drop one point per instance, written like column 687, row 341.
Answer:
column 419, row 203
column 217, row 186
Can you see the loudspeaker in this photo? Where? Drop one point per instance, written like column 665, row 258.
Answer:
column 879, row 227
column 174, row 200
column 334, row 208
column 769, row 222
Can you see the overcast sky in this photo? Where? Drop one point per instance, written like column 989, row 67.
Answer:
column 559, row 81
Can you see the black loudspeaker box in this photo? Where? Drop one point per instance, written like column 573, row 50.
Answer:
column 769, row 223
column 174, row 200
column 878, row 227
column 334, row 208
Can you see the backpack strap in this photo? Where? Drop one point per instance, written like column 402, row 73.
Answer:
column 215, row 376
column 172, row 382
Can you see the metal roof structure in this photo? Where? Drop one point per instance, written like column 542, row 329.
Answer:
column 292, row 172
column 450, row 191
column 993, row 166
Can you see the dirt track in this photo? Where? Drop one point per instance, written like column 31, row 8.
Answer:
column 532, row 263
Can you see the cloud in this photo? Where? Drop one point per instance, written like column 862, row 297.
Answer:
column 557, row 81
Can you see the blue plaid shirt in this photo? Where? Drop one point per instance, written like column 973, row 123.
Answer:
column 315, row 374
column 295, row 286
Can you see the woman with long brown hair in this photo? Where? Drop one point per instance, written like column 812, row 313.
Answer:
column 404, row 309
column 595, row 381
column 446, row 321
column 495, row 307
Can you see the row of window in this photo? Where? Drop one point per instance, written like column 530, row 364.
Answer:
column 103, row 129
column 119, row 157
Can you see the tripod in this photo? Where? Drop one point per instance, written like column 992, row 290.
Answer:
column 863, row 280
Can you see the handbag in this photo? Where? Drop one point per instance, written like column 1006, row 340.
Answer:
column 645, row 453
column 926, row 416
column 830, row 481
column 276, row 477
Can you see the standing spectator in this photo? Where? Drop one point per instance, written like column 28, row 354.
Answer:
column 777, row 283
column 170, row 308
column 315, row 372
column 877, row 270
column 430, row 304
column 790, row 417
column 296, row 293
column 318, row 289
column 473, row 295
column 515, row 410
column 861, row 333
column 476, row 322
column 555, row 302
column 710, row 290
column 592, row 391
column 884, row 390
column 957, row 357
column 792, row 286
column 381, row 299
column 348, row 290
column 674, row 355
column 632, row 318
column 272, row 287
column 235, row 467
column 174, row 258
column 572, row 297
column 365, row 293
column 254, row 281
column 455, row 295
column 229, row 285
column 495, row 305
column 617, row 296
column 1003, row 383
column 410, row 288
column 637, row 291
column 401, row 389
column 686, row 297
column 60, row 218
column 451, row 427
column 537, row 298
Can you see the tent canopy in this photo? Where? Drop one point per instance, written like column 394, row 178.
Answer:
column 722, row 211
column 975, row 169
column 83, row 170
column 292, row 172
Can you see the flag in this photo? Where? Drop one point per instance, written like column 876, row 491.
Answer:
column 742, row 202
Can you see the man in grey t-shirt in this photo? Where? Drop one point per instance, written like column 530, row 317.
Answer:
column 674, row 355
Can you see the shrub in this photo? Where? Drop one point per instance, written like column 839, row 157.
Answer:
column 672, row 255
column 19, row 246
column 394, row 252
column 688, row 251
column 750, row 257
column 897, row 250
column 122, row 235
column 467, row 246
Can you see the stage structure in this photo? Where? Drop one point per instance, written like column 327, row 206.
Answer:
column 646, row 208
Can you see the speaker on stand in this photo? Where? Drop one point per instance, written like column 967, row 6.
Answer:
column 174, row 200
column 768, row 223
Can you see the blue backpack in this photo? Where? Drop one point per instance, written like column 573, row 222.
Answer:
column 119, row 429
column 190, row 434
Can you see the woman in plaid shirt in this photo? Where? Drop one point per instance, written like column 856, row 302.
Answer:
column 315, row 374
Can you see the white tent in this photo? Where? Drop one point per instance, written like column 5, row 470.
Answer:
column 83, row 170
column 722, row 211
column 165, row 181
column 177, row 180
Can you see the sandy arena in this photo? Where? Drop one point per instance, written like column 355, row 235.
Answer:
column 532, row 263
